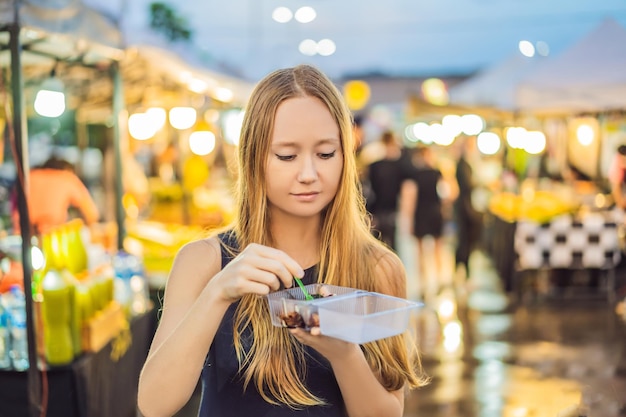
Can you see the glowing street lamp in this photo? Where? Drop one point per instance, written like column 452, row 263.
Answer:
column 50, row 99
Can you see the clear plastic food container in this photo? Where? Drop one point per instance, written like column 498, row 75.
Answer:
column 288, row 308
column 363, row 317
column 352, row 315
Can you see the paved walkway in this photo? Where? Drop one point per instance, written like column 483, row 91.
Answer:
column 545, row 357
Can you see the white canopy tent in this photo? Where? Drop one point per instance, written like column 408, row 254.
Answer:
column 590, row 76
column 496, row 86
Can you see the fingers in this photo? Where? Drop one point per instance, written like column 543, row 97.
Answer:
column 274, row 269
column 315, row 331
column 259, row 270
column 276, row 262
column 267, row 277
column 309, row 337
column 301, row 334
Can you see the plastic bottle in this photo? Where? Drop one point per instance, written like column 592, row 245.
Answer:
column 16, row 307
column 55, row 249
column 123, row 274
column 139, row 287
column 75, row 310
column 57, row 314
column 73, row 247
column 102, row 281
column 55, row 258
column 5, row 338
column 131, row 288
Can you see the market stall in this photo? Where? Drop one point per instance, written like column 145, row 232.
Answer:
column 182, row 137
column 60, row 45
column 546, row 232
column 151, row 213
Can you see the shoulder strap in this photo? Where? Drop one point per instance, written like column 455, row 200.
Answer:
column 228, row 245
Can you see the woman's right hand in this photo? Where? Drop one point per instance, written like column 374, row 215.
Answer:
column 258, row 269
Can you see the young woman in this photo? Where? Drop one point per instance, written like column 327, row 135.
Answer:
column 300, row 213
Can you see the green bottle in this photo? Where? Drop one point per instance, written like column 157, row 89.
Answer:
column 56, row 312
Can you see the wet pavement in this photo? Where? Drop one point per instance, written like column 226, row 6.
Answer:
column 487, row 356
column 542, row 356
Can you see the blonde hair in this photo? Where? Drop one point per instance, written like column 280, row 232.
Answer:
column 349, row 253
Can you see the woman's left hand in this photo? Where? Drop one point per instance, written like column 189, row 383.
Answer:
column 331, row 348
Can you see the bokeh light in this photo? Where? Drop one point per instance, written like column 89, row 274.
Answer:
column 231, row 125
column 282, row 14
column 535, row 142
column 585, row 134
column 182, row 117
column 356, row 93
column 543, row 48
column 526, row 48
column 202, row 142
column 308, row 47
column 488, row 143
column 141, row 126
column 305, row 14
column 435, row 92
column 472, row 124
column 326, row 47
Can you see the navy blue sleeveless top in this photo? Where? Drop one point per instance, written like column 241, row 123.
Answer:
column 223, row 394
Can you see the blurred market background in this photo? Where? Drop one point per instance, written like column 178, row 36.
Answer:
column 145, row 100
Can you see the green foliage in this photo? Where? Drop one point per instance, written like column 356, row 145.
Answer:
column 164, row 19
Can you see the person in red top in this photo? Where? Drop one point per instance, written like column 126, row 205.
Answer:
column 53, row 189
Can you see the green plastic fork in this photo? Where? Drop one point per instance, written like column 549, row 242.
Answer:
column 307, row 296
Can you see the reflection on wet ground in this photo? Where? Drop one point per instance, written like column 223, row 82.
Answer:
column 544, row 358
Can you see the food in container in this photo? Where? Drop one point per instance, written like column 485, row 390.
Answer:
column 344, row 313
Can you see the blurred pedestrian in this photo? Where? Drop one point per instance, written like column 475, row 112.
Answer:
column 53, row 190
column 386, row 177
column 467, row 219
column 428, row 211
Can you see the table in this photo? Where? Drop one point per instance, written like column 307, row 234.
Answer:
column 94, row 385
column 566, row 242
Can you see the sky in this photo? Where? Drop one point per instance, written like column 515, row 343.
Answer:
column 393, row 37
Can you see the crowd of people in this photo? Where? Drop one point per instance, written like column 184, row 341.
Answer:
column 407, row 193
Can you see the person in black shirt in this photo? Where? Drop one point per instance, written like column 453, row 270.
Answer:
column 386, row 177
column 428, row 211
column 468, row 220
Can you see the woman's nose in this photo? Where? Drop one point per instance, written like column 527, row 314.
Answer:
column 308, row 170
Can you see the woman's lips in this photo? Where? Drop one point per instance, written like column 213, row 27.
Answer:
column 306, row 197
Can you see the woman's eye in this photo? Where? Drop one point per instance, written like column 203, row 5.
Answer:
column 327, row 155
column 285, row 157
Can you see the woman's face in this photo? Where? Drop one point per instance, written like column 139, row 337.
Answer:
column 305, row 159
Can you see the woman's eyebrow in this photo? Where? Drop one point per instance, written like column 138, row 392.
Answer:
column 286, row 144
column 332, row 141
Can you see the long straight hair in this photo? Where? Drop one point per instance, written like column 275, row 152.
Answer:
column 349, row 253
